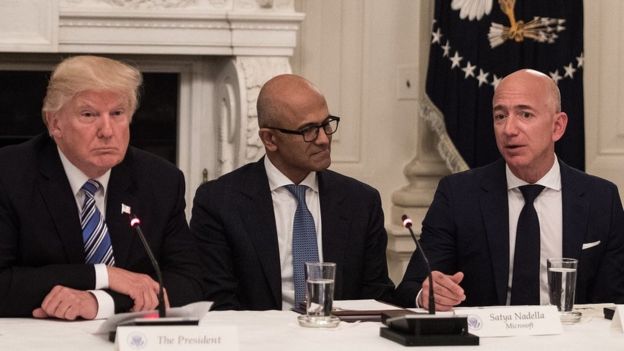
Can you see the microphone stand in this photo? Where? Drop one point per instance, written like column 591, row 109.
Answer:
column 162, row 319
column 407, row 223
column 426, row 329
column 136, row 224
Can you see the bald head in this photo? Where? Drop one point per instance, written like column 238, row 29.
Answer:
column 527, row 122
column 536, row 80
column 285, row 95
column 288, row 107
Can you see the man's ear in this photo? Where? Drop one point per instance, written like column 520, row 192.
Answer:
column 53, row 126
column 561, row 122
column 268, row 139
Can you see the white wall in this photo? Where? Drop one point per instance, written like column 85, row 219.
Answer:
column 604, row 89
column 351, row 49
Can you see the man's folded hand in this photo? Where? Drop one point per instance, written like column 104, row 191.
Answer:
column 140, row 287
column 67, row 303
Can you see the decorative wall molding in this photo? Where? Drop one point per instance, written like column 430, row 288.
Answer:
column 187, row 27
column 212, row 5
column 29, row 25
column 223, row 50
column 231, row 119
column 150, row 3
column 255, row 72
column 140, row 24
column 237, row 89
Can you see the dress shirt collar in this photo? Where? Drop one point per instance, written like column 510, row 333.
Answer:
column 77, row 178
column 277, row 179
column 551, row 180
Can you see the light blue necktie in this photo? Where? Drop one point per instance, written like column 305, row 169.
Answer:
column 97, row 243
column 304, row 245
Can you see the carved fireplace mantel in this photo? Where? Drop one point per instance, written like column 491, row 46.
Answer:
column 193, row 27
column 224, row 51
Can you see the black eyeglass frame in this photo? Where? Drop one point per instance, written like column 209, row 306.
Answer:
column 306, row 129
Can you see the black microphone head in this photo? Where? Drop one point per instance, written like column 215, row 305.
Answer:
column 407, row 222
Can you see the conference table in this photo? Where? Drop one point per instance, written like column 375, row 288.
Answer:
column 279, row 330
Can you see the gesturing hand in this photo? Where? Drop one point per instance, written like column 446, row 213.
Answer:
column 446, row 290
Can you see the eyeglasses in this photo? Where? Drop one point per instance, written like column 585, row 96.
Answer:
column 311, row 132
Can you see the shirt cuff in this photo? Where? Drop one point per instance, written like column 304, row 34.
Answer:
column 106, row 305
column 101, row 276
column 418, row 298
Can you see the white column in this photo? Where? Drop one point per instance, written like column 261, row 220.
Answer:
column 423, row 174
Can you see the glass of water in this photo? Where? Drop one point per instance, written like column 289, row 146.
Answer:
column 320, row 280
column 562, row 286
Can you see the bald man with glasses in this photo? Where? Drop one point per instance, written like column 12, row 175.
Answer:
column 257, row 225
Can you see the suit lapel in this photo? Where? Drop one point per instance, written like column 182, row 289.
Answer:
column 61, row 203
column 121, row 190
column 575, row 211
column 495, row 211
column 335, row 223
column 258, row 218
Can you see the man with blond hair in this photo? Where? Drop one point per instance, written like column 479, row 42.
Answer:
column 66, row 249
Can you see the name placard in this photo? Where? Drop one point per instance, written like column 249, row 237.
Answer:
column 618, row 318
column 512, row 320
column 171, row 338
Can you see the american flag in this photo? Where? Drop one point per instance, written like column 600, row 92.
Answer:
column 474, row 43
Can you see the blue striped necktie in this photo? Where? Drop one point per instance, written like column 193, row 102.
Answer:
column 304, row 244
column 97, row 242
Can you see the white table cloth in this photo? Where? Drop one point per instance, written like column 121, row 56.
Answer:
column 278, row 330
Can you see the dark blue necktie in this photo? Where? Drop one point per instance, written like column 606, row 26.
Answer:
column 97, row 243
column 304, row 244
column 525, row 286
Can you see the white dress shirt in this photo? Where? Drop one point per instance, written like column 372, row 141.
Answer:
column 106, row 305
column 284, row 207
column 548, row 206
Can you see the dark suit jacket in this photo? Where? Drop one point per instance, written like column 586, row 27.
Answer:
column 41, row 239
column 234, row 223
column 467, row 229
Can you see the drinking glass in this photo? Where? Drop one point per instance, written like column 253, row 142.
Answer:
column 562, row 286
column 320, row 280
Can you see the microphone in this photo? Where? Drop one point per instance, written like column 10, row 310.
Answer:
column 147, row 318
column 407, row 223
column 135, row 223
column 429, row 329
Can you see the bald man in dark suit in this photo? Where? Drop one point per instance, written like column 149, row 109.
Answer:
column 243, row 221
column 472, row 231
